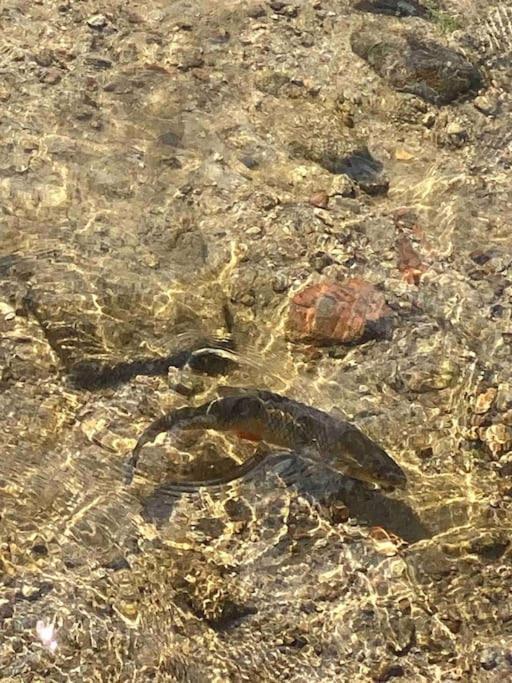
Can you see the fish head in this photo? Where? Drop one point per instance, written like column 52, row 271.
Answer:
column 361, row 458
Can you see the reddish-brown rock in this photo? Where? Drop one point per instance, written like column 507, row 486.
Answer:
column 334, row 313
column 409, row 262
column 319, row 199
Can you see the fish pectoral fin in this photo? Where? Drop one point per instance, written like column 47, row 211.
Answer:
column 341, row 463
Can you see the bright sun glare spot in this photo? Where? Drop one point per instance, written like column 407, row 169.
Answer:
column 46, row 634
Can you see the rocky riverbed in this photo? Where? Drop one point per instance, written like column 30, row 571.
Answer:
column 327, row 184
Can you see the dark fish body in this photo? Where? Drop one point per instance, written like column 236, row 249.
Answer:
column 265, row 416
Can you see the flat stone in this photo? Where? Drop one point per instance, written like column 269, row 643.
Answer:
column 333, row 313
column 397, row 8
column 97, row 21
column 414, row 65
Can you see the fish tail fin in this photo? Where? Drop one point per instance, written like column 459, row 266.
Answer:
column 181, row 418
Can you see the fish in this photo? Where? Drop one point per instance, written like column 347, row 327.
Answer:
column 260, row 415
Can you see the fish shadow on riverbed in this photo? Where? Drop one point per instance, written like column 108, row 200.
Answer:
column 320, row 485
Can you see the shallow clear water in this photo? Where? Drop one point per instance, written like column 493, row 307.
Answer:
column 131, row 216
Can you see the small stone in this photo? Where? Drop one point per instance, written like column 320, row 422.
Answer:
column 387, row 671
column 480, row 257
column 498, row 438
column 265, row 202
column 97, row 21
column 409, row 262
column 6, row 610
column 455, row 128
column 485, row 400
column 319, row 199
column 256, row 12
column 426, row 453
column 338, row 513
column 98, row 61
column 284, row 8
column 487, row 104
column 332, row 313
column 321, row 260
column 489, row 659
column 249, row 162
column 17, row 55
column 7, row 311
column 52, row 76
column 280, row 283
column 40, row 549
column 504, row 397
column 383, row 542
column 191, row 60
column 170, row 138
column 431, row 374
column 342, row 186
column 254, row 231
column 403, row 154
column 456, row 134
column 429, row 119
column 44, row 57
column 497, row 311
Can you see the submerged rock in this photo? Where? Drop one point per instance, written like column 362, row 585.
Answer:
column 342, row 156
column 398, row 8
column 414, row 65
column 409, row 261
column 331, row 313
column 430, row 372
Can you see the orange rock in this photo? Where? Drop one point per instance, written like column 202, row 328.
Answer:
column 319, row 199
column 409, row 262
column 332, row 313
column 485, row 400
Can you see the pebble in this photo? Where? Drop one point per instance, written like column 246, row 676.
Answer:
column 409, row 261
column 342, row 186
column 52, row 76
column 388, row 671
column 485, row 400
column 489, row 659
column 280, row 283
column 97, row 21
column 44, row 57
column 256, row 12
column 5, row 94
column 487, row 104
column 249, row 162
column 456, row 134
column 7, row 311
column 403, row 154
column 431, row 374
column 429, row 119
column 504, row 397
column 255, row 231
column 319, row 199
column 498, row 437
